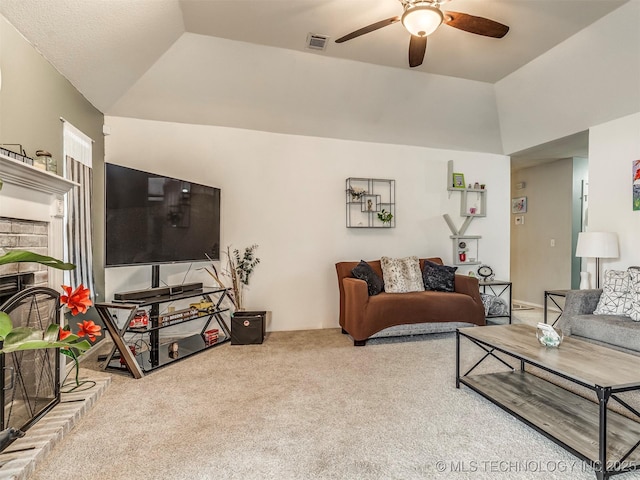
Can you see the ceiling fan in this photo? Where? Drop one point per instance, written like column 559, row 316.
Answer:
column 423, row 17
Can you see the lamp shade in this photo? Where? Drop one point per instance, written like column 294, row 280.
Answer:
column 422, row 19
column 597, row 245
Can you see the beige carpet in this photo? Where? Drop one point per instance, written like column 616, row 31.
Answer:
column 307, row 405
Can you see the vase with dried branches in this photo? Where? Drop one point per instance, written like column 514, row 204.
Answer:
column 239, row 270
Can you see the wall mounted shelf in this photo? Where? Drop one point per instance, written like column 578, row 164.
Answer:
column 368, row 197
column 473, row 203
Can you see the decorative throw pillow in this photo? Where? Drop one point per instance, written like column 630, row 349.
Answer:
column 634, row 293
column 494, row 305
column 401, row 275
column 363, row 271
column 615, row 294
column 440, row 278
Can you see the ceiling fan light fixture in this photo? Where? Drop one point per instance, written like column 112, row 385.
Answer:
column 422, row 19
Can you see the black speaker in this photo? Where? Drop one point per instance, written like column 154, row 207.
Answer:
column 248, row 328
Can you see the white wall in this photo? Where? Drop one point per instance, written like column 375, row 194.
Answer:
column 286, row 193
column 277, row 90
column 536, row 265
column 591, row 78
column 612, row 148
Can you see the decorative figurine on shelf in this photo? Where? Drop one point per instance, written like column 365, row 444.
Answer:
column 140, row 320
column 356, row 193
column 369, row 205
column 476, row 186
column 462, row 251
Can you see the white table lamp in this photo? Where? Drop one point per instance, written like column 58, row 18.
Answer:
column 597, row 245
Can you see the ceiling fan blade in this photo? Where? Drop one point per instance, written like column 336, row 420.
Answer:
column 368, row 29
column 477, row 25
column 417, row 49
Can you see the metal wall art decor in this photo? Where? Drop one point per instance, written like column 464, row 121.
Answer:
column 370, row 202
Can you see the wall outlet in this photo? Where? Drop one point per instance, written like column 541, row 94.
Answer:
column 553, row 242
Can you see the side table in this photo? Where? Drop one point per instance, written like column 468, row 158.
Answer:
column 549, row 295
column 501, row 287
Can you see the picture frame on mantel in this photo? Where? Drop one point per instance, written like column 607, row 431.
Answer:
column 458, row 180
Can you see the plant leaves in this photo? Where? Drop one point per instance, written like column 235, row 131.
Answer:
column 82, row 346
column 5, row 325
column 24, row 256
column 51, row 334
column 37, row 344
column 20, row 335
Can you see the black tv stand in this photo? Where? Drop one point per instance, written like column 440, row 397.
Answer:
column 141, row 349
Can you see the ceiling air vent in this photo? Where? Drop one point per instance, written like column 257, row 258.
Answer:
column 316, row 41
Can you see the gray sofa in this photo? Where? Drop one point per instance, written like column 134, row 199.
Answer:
column 578, row 320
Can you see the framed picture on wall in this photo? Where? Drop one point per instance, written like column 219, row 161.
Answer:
column 635, row 170
column 458, row 180
column 519, row 205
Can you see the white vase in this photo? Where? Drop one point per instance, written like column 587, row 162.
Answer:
column 584, row 281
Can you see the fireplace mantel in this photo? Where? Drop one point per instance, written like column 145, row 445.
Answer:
column 32, row 194
column 23, row 175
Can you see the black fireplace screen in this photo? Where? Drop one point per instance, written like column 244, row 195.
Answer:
column 31, row 379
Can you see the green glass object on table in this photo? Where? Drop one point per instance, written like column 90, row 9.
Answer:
column 548, row 335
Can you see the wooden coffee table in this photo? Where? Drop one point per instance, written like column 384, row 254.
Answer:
column 588, row 428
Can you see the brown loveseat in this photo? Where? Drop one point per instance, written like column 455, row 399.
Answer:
column 361, row 316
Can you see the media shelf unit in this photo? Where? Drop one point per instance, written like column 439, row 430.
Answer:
column 140, row 350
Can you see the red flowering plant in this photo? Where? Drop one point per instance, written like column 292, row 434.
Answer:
column 77, row 301
column 25, row 338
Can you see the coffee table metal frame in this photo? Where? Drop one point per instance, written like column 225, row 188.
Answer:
column 549, row 295
column 603, row 394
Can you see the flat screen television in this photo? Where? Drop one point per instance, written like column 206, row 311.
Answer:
column 153, row 219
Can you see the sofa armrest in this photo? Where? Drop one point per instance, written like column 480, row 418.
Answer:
column 577, row 303
column 581, row 302
column 356, row 298
column 469, row 286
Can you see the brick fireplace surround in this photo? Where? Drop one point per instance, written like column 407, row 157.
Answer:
column 24, row 235
column 31, row 218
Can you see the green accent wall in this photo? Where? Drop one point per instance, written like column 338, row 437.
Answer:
column 33, row 98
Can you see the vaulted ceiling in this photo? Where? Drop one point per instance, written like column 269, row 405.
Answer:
column 165, row 59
